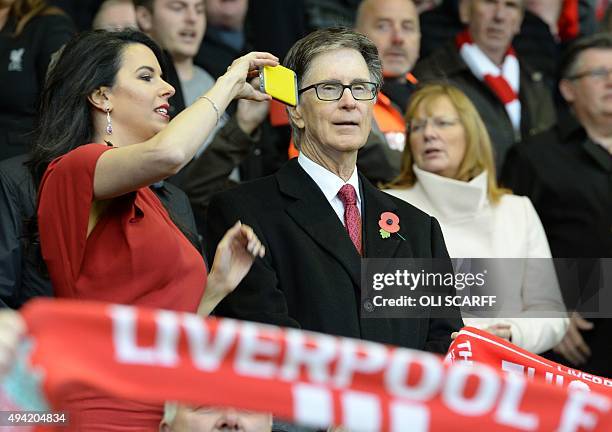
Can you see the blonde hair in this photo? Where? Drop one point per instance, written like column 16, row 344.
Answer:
column 25, row 10
column 478, row 151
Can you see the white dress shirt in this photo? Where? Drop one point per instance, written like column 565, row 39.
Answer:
column 330, row 184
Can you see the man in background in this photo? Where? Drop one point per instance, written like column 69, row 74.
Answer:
column 566, row 171
column 512, row 99
column 393, row 26
column 115, row 15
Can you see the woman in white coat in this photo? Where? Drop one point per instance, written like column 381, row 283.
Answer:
column 448, row 172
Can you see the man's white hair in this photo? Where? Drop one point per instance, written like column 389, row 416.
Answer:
column 170, row 410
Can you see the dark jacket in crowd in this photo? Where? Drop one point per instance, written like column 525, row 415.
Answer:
column 23, row 68
column 215, row 54
column 568, row 177
column 275, row 25
column 82, row 12
column 537, row 108
column 21, row 275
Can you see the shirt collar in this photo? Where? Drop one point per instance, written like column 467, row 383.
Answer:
column 328, row 182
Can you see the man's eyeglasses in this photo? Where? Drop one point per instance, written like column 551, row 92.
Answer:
column 438, row 123
column 332, row 91
column 599, row 74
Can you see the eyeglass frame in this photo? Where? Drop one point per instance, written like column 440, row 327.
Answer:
column 451, row 122
column 597, row 73
column 344, row 87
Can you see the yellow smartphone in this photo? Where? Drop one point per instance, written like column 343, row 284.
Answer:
column 280, row 83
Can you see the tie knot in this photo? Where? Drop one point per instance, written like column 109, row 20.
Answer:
column 347, row 195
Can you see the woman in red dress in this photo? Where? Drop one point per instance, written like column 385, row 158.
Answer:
column 104, row 136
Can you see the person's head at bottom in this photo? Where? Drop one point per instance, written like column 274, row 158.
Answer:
column 184, row 418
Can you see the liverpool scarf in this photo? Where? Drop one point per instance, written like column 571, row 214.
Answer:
column 504, row 81
column 477, row 346
column 309, row 378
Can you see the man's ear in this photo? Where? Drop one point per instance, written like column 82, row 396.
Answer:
column 99, row 99
column 465, row 7
column 566, row 87
column 144, row 19
column 295, row 113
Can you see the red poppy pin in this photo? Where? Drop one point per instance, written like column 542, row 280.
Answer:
column 389, row 224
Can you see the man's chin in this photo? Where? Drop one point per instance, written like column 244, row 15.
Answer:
column 395, row 70
column 183, row 52
column 350, row 144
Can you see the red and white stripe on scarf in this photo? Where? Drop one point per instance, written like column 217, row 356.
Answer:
column 478, row 346
column 308, row 378
column 504, row 81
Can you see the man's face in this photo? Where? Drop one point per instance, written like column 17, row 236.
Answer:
column 393, row 26
column 218, row 420
column 332, row 128
column 590, row 93
column 177, row 25
column 116, row 17
column 227, row 13
column 548, row 10
column 492, row 23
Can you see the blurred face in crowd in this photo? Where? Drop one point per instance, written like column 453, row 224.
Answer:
column 547, row 10
column 393, row 26
column 590, row 92
column 332, row 128
column 492, row 24
column 116, row 16
column 227, row 14
column 425, row 5
column 217, row 420
column 177, row 25
column 437, row 137
column 139, row 98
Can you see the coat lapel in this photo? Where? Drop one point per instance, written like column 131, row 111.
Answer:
column 312, row 212
column 375, row 203
column 599, row 155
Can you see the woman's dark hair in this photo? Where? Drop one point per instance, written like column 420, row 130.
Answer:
column 89, row 61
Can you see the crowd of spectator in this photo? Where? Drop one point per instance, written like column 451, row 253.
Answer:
column 141, row 164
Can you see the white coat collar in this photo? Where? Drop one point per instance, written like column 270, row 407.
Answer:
column 453, row 198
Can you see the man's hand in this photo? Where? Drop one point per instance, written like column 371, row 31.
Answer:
column 251, row 114
column 500, row 330
column 572, row 347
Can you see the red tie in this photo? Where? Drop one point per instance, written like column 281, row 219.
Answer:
column 352, row 219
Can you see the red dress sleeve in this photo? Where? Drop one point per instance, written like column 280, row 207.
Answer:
column 64, row 203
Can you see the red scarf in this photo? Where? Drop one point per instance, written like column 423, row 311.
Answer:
column 309, row 378
column 474, row 345
column 504, row 81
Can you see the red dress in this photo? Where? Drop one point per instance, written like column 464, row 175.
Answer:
column 134, row 255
